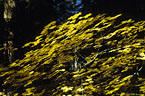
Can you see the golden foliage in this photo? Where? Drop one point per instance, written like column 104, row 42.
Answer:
column 84, row 56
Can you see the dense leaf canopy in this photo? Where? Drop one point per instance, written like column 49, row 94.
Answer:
column 87, row 55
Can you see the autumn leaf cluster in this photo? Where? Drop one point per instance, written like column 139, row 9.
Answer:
column 86, row 56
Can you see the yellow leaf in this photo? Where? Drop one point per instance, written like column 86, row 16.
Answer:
column 88, row 15
column 66, row 88
column 80, row 89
